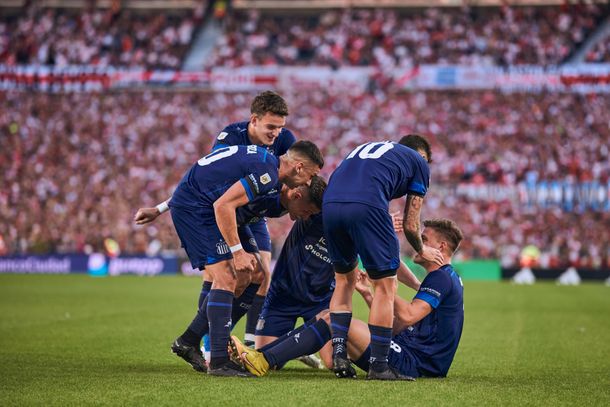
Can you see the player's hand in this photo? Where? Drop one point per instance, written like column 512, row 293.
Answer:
column 432, row 255
column 363, row 285
column 397, row 221
column 244, row 262
column 146, row 215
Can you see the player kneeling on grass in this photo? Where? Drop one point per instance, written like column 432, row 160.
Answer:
column 427, row 330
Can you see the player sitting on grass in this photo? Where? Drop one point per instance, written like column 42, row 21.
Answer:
column 427, row 330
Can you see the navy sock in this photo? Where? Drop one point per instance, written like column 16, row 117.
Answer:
column 242, row 304
column 253, row 313
column 363, row 361
column 220, row 303
column 199, row 326
column 339, row 322
column 288, row 335
column 306, row 342
column 205, row 290
column 380, row 347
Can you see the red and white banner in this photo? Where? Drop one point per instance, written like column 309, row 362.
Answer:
column 580, row 78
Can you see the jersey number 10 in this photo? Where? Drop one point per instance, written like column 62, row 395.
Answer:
column 364, row 151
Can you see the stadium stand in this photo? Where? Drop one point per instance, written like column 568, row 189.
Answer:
column 123, row 150
column 406, row 37
column 154, row 39
column 512, row 168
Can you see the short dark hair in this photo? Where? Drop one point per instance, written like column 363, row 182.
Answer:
column 448, row 229
column 308, row 150
column 269, row 102
column 316, row 190
column 417, row 142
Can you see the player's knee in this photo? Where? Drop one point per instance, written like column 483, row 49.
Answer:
column 225, row 280
column 385, row 286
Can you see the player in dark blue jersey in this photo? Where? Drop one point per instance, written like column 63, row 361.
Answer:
column 427, row 330
column 203, row 209
column 268, row 112
column 300, row 203
column 357, row 223
column 302, row 284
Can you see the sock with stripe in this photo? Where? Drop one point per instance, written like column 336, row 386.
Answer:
column 305, row 342
column 339, row 323
column 220, row 304
column 380, row 347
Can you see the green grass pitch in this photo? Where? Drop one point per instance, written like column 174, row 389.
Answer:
column 74, row 340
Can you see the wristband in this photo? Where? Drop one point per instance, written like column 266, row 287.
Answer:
column 162, row 207
column 235, row 248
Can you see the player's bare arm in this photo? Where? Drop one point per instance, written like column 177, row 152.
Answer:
column 224, row 211
column 406, row 276
column 148, row 215
column 409, row 313
column 412, row 231
column 364, row 288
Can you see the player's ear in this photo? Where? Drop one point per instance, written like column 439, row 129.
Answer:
column 254, row 118
column 297, row 194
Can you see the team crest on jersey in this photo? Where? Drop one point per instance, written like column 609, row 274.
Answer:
column 265, row 178
column 222, row 247
column 222, row 135
column 251, row 150
column 260, row 324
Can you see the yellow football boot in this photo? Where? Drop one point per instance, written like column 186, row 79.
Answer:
column 253, row 360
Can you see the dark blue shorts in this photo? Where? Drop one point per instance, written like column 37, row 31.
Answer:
column 202, row 240
column 355, row 229
column 278, row 318
column 261, row 235
column 399, row 357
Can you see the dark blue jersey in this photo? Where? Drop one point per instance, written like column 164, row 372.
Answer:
column 376, row 173
column 236, row 134
column 213, row 174
column 303, row 274
column 263, row 206
column 434, row 340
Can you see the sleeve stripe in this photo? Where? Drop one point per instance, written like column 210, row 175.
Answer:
column 417, row 188
column 219, row 146
column 247, row 187
column 429, row 298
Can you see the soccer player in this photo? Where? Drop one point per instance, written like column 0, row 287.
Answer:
column 427, row 329
column 357, row 223
column 268, row 113
column 203, row 209
column 300, row 203
column 302, row 284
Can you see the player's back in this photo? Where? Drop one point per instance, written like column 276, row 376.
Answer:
column 375, row 173
column 303, row 274
column 213, row 174
column 236, row 134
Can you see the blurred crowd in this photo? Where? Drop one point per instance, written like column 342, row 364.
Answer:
column 388, row 38
column 403, row 38
column 601, row 51
column 102, row 37
column 75, row 167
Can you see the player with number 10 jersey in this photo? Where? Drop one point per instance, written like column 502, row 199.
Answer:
column 357, row 223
